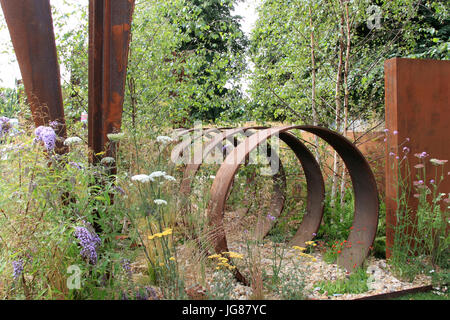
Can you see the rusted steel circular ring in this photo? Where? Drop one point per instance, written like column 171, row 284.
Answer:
column 314, row 180
column 279, row 192
column 365, row 220
column 179, row 149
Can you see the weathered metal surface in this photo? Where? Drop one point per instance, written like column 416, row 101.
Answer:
column 417, row 96
column 31, row 29
column 396, row 294
column 109, row 40
column 279, row 178
column 365, row 220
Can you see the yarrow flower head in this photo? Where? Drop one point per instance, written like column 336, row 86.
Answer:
column 164, row 139
column 160, row 201
column 46, row 135
column 143, row 178
column 438, row 162
column 17, row 268
column 107, row 160
column 115, row 137
column 72, row 140
column 157, row 174
column 89, row 242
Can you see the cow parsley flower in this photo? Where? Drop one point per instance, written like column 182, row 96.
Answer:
column 89, row 242
column 46, row 135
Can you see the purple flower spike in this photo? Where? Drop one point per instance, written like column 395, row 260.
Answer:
column 47, row 135
column 89, row 243
column 17, row 268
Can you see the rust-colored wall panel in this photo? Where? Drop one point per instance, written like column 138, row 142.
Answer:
column 417, row 106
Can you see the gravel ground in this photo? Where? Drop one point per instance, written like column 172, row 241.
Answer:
column 381, row 280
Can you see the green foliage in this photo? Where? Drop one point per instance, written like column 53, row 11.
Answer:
column 356, row 282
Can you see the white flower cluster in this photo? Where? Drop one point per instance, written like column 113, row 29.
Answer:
column 164, row 139
column 72, row 140
column 115, row 136
column 152, row 176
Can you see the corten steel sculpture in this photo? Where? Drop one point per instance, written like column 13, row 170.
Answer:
column 31, row 29
column 365, row 220
column 417, row 107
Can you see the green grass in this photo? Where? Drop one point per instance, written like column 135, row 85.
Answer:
column 424, row 296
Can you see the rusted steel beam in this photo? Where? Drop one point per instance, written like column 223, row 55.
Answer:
column 109, row 41
column 365, row 220
column 396, row 294
column 31, row 29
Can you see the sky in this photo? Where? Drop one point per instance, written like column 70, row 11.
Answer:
column 9, row 69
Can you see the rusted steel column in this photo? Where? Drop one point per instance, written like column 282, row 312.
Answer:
column 109, row 40
column 417, row 96
column 31, row 28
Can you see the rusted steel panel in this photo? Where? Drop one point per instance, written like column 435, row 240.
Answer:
column 417, row 107
column 365, row 220
column 109, row 40
column 31, row 29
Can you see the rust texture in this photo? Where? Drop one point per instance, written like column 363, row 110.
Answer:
column 417, row 106
column 365, row 221
column 109, row 40
column 31, row 29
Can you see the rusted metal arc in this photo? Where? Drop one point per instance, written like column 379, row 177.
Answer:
column 31, row 28
column 278, row 194
column 365, row 220
column 109, row 40
column 180, row 148
column 315, row 190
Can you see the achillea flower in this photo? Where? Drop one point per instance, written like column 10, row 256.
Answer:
column 89, row 242
column 46, row 135
column 143, row 178
column 107, row 160
column 160, row 201
column 169, row 178
column 157, row 174
column 438, row 162
column 164, row 139
column 72, row 140
column 17, row 268
column 115, row 137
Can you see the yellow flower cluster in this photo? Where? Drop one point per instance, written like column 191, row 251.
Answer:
column 223, row 262
column 301, row 249
column 165, row 232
